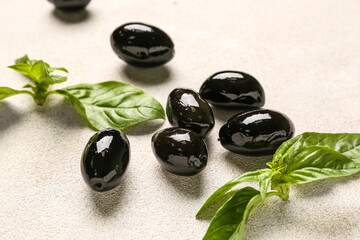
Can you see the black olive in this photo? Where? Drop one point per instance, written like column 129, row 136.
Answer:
column 256, row 133
column 105, row 159
column 70, row 5
column 185, row 108
column 180, row 151
column 233, row 89
column 142, row 45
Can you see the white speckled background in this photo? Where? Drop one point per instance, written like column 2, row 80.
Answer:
column 306, row 54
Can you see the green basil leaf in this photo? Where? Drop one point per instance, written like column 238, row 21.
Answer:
column 265, row 181
column 308, row 164
column 230, row 220
column 39, row 73
column 22, row 68
column 263, row 176
column 283, row 151
column 53, row 69
column 8, row 92
column 24, row 60
column 38, row 70
column 113, row 104
column 58, row 78
column 345, row 143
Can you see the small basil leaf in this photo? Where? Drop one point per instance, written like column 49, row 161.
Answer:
column 113, row 104
column 38, row 70
column 53, row 69
column 312, row 163
column 263, row 176
column 264, row 182
column 230, row 220
column 58, row 78
column 39, row 74
column 8, row 92
column 22, row 68
column 24, row 60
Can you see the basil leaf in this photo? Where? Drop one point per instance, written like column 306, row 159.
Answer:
column 8, row 92
column 40, row 74
column 25, row 60
column 58, row 78
column 113, row 104
column 283, row 151
column 38, row 70
column 22, row 68
column 263, row 176
column 53, row 69
column 312, row 163
column 345, row 143
column 230, row 220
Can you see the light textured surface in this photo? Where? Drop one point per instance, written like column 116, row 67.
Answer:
column 306, row 54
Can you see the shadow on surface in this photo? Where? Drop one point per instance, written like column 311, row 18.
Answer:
column 72, row 16
column 247, row 163
column 322, row 187
column 144, row 128
column 63, row 114
column 106, row 202
column 147, row 76
column 225, row 113
column 189, row 186
column 8, row 116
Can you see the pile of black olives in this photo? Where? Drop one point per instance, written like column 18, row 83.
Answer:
column 181, row 149
column 251, row 132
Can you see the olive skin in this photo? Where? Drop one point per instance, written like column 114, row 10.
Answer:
column 233, row 89
column 70, row 5
column 180, row 151
column 142, row 45
column 186, row 109
column 105, row 159
column 256, row 133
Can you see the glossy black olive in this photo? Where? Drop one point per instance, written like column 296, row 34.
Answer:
column 233, row 89
column 256, row 133
column 185, row 108
column 105, row 159
column 180, row 151
column 142, row 45
column 70, row 5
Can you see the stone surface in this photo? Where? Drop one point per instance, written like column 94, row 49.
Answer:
column 306, row 54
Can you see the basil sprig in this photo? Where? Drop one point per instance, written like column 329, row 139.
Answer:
column 305, row 158
column 105, row 105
